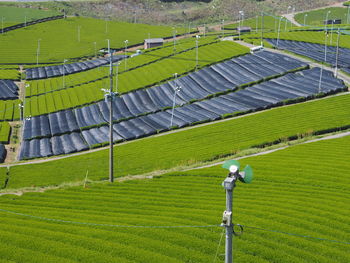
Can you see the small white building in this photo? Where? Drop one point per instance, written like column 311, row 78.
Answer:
column 153, row 42
column 244, row 29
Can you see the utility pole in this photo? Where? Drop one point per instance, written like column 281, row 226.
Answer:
column 111, row 96
column 222, row 27
column 337, row 55
column 126, row 47
column 177, row 89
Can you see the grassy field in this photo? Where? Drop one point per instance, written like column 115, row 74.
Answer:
column 16, row 15
column 199, row 144
column 134, row 79
column 312, row 37
column 5, row 130
column 10, row 74
column 9, row 110
column 270, row 23
column 65, row 45
column 288, row 194
column 148, row 56
column 317, row 17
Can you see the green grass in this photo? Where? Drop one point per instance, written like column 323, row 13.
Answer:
column 5, row 130
column 16, row 15
column 9, row 110
column 148, row 56
column 347, row 3
column 147, row 75
column 312, row 37
column 317, row 17
column 301, row 190
column 270, row 23
column 56, row 47
column 9, row 74
column 199, row 144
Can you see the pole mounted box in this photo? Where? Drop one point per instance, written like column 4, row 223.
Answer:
column 229, row 183
column 227, row 218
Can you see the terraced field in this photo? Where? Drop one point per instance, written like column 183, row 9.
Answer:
column 9, row 110
column 270, row 23
column 311, row 37
column 317, row 17
column 147, row 75
column 289, row 194
column 16, row 15
column 76, row 39
column 9, row 74
column 192, row 146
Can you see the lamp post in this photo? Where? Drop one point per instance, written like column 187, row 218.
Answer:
column 222, row 27
column 38, row 52
column 2, row 24
column 197, row 40
column 326, row 21
column 305, row 16
column 177, row 89
column 79, row 33
column 279, row 30
column 241, row 14
column 325, row 59
column 64, row 71
column 126, row 47
column 285, row 25
column 95, row 49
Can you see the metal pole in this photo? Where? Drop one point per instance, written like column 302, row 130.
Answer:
column 172, row 111
column 229, row 227
column 174, row 39
column 325, row 59
column 305, row 19
column 64, row 63
column 25, row 20
column 111, row 176
column 337, row 55
column 222, row 27
column 332, row 33
column 256, row 24
column 38, row 52
column 78, row 33
column 262, row 29
column 106, row 26
column 95, row 49
column 348, row 17
column 278, row 35
column 126, row 46
column 197, row 51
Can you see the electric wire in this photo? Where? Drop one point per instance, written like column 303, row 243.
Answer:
column 169, row 226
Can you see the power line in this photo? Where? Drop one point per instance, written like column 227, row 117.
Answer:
column 174, row 226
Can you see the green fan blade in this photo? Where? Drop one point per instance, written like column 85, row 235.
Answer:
column 248, row 174
column 229, row 163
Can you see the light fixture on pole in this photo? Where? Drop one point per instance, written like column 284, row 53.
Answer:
column 126, row 47
column 176, row 90
column 64, row 72
column 222, row 27
column 38, row 52
column 241, row 14
column 285, row 25
column 305, row 16
column 229, row 184
column 279, row 30
column 325, row 59
column 79, row 33
column 109, row 97
column 95, row 49
column 197, row 40
column 2, row 24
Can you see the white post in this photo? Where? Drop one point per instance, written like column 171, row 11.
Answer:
column 332, row 32
column 177, row 89
column 38, row 52
column 64, row 63
column 278, row 34
column 337, row 55
column 305, row 16
column 126, row 47
column 197, row 39
column 325, row 59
